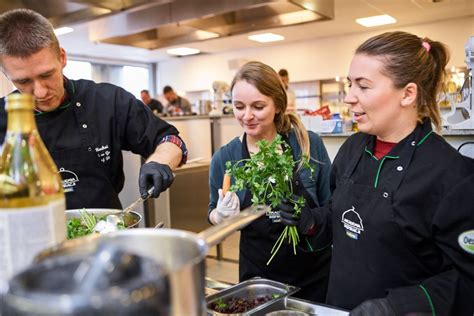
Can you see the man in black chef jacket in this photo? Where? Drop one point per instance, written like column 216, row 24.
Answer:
column 84, row 125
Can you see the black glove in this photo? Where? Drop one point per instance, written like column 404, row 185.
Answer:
column 303, row 223
column 379, row 307
column 154, row 174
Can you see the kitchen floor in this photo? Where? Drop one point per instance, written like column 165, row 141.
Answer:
column 226, row 269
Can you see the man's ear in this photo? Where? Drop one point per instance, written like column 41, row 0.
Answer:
column 410, row 93
column 62, row 57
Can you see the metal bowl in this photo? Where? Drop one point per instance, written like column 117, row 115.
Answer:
column 131, row 219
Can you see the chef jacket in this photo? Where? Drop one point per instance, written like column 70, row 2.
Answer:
column 402, row 225
column 86, row 136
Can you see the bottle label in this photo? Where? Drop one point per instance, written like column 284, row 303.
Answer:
column 26, row 231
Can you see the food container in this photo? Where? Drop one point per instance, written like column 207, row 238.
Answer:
column 298, row 307
column 249, row 290
column 131, row 219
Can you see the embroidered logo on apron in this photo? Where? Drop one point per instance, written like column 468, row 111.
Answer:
column 466, row 241
column 352, row 223
column 69, row 180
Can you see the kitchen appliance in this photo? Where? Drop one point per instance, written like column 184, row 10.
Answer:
column 180, row 253
column 220, row 88
column 461, row 114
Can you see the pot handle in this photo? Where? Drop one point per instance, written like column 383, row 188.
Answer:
column 217, row 233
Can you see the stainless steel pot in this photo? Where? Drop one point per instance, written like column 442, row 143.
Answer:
column 179, row 252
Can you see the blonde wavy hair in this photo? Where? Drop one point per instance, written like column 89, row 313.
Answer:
column 268, row 82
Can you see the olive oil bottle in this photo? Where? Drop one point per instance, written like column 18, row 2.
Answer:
column 32, row 202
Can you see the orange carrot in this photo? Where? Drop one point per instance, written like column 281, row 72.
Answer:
column 225, row 184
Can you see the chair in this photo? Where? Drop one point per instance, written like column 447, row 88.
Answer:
column 467, row 149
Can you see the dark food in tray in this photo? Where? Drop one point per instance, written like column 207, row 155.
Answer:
column 240, row 305
column 248, row 297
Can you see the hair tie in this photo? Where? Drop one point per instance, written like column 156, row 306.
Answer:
column 426, row 45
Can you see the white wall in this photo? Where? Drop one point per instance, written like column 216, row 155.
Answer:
column 305, row 60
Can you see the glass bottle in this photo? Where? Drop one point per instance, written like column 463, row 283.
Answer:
column 32, row 202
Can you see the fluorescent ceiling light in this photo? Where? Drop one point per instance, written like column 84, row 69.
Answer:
column 376, row 20
column 266, row 37
column 183, row 51
column 63, row 30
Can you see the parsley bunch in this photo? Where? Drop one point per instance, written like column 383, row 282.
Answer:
column 268, row 175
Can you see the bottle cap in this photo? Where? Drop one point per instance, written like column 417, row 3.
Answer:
column 19, row 101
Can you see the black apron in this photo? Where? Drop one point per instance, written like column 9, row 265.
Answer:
column 87, row 184
column 308, row 270
column 370, row 253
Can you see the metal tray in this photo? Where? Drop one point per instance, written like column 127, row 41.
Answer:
column 251, row 289
column 298, row 307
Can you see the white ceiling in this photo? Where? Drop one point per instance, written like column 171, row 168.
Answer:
column 407, row 12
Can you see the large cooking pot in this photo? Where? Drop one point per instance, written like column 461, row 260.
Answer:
column 180, row 253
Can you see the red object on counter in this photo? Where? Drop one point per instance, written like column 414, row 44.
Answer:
column 324, row 111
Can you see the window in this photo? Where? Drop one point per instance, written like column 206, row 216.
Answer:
column 132, row 78
column 78, row 70
column 135, row 79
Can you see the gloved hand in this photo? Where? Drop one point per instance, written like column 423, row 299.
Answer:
column 303, row 223
column 379, row 306
column 227, row 206
column 154, row 174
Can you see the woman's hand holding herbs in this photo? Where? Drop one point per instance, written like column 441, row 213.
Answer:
column 267, row 174
column 304, row 222
column 228, row 206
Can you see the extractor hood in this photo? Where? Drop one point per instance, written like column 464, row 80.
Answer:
column 153, row 24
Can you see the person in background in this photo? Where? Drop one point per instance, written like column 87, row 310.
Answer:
column 401, row 215
column 259, row 104
column 154, row 105
column 283, row 73
column 84, row 125
column 176, row 105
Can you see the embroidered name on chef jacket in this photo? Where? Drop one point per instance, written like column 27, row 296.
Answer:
column 352, row 223
column 103, row 153
column 69, row 179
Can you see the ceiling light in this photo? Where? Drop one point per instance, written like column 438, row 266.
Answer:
column 298, row 17
column 63, row 30
column 376, row 20
column 183, row 51
column 266, row 37
column 203, row 35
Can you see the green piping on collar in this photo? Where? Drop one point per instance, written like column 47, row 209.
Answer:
column 380, row 168
column 370, row 153
column 424, row 138
column 433, row 312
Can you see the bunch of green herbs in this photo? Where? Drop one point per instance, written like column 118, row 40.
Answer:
column 268, row 175
column 85, row 224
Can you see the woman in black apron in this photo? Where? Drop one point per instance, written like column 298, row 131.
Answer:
column 400, row 221
column 259, row 101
